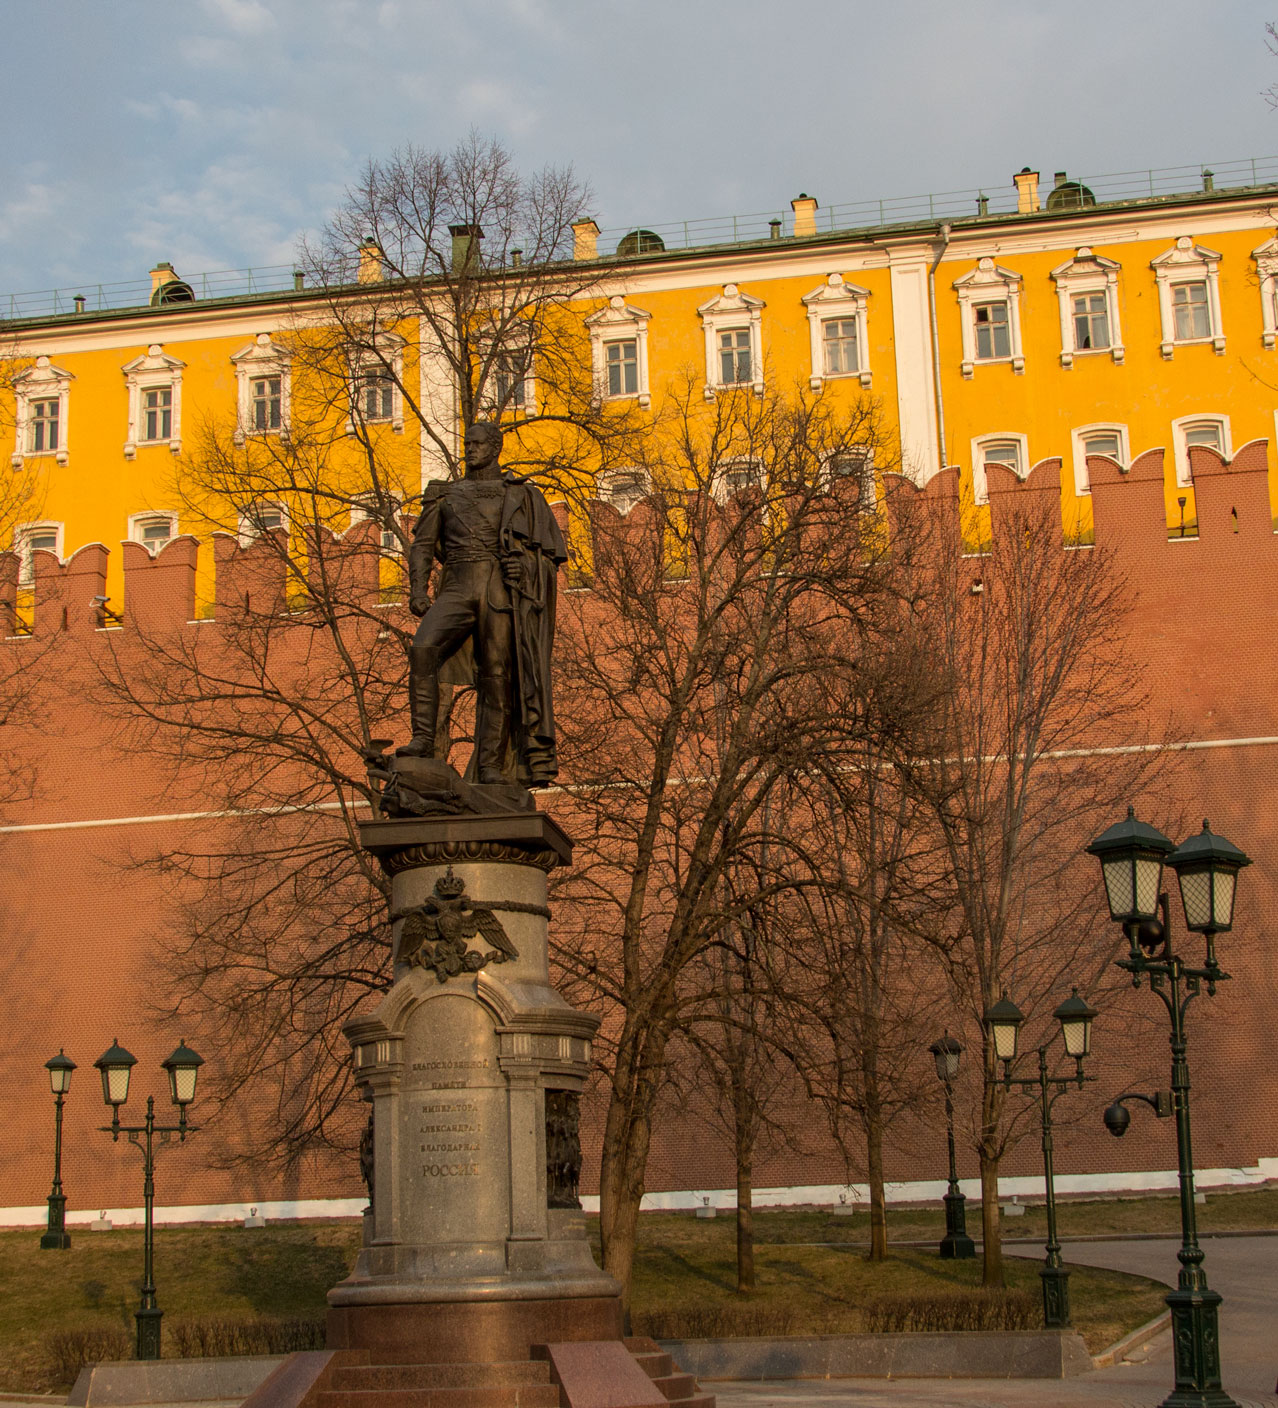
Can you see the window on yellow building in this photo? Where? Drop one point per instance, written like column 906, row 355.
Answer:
column 839, row 341
column 993, row 334
column 1000, row 447
column 1188, row 278
column 1212, row 432
column 265, row 403
column 377, row 395
column 1191, row 310
column 152, row 530
column 29, row 537
column 622, row 361
column 157, row 413
column 734, row 356
column 1091, row 322
column 1103, row 442
column 43, row 419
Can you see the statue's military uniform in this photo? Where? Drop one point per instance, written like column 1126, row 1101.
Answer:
column 476, row 527
column 460, row 525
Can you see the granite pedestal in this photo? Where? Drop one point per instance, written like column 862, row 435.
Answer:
column 474, row 1243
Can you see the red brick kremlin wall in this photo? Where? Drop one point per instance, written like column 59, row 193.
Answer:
column 81, row 922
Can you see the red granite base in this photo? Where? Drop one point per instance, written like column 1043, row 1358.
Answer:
column 470, row 1332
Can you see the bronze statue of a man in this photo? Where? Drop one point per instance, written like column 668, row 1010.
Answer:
column 500, row 547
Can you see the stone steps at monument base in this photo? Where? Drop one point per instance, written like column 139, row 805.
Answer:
column 516, row 1374
column 676, row 1386
column 655, row 1363
column 489, row 1395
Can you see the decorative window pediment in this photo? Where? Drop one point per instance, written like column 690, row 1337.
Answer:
column 734, row 341
column 43, row 400
column 154, row 382
column 262, row 380
column 1189, row 296
column 1087, row 287
column 619, row 350
column 1266, row 258
column 837, row 329
column 990, row 304
column 377, row 378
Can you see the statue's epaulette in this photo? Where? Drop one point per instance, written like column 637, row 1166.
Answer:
column 434, row 488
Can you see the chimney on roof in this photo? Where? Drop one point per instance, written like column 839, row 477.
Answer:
column 805, row 209
column 371, row 261
column 162, row 274
column 1026, row 183
column 585, row 239
column 466, row 240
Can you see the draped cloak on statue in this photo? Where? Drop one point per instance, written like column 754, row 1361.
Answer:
column 530, row 533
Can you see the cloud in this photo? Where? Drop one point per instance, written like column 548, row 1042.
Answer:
column 244, row 17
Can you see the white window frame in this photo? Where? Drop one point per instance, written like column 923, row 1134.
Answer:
column 618, row 321
column 43, row 382
column 1078, row 438
column 154, row 371
column 837, row 301
column 864, row 471
column 989, row 283
column 1185, row 263
column 624, row 487
column 138, row 521
column 1088, row 273
column 260, row 358
column 1266, row 258
column 22, row 534
column 980, row 487
column 248, row 530
column 726, row 312
column 1180, row 448
column 722, row 490
column 528, row 409
column 386, row 358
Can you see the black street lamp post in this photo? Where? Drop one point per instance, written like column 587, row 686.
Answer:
column 956, row 1245
column 1004, row 1020
column 1132, row 855
column 56, row 1237
column 183, row 1068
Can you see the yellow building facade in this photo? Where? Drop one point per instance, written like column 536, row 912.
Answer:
column 1067, row 327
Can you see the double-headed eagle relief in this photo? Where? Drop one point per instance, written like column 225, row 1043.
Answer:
column 436, row 934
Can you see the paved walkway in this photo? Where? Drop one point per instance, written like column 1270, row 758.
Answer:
column 1243, row 1269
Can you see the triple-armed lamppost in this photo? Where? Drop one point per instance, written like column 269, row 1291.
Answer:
column 956, row 1245
column 1003, row 1021
column 56, row 1237
column 1132, row 855
column 183, row 1068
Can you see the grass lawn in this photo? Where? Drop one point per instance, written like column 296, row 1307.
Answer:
column 1245, row 1210
column 684, row 1269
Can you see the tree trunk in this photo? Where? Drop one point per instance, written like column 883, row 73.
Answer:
column 878, row 1191
column 992, row 1273
column 627, row 1134
column 745, row 1216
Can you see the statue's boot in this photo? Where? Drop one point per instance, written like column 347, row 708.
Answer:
column 492, row 727
column 423, row 705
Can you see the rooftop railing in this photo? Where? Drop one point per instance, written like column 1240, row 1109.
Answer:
column 1161, row 183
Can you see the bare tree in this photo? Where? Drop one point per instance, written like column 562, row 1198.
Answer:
column 448, row 279
column 701, row 671
column 1037, row 685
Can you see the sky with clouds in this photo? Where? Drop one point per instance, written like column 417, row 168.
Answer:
column 214, row 133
